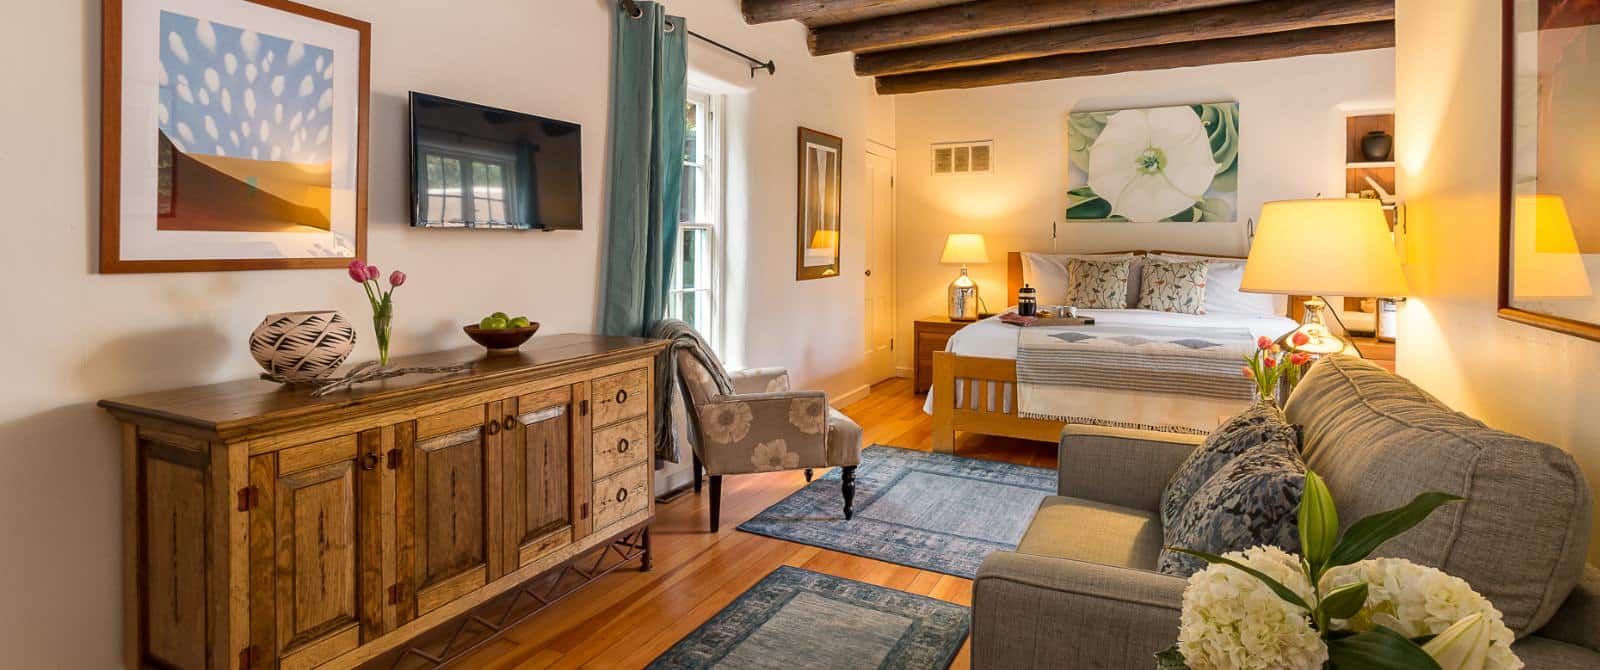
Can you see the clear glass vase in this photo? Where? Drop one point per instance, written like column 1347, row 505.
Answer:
column 382, row 321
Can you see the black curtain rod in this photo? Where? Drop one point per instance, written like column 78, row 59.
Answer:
column 633, row 10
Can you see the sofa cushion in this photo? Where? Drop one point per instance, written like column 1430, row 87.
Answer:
column 1543, row 653
column 1260, row 424
column 1377, row 440
column 1253, row 500
column 1095, row 532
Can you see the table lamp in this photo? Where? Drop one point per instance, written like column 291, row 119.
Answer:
column 1323, row 247
column 963, row 248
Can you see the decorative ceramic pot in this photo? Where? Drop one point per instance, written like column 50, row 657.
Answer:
column 1375, row 145
column 296, row 347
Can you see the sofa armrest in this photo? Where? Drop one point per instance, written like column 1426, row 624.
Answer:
column 1120, row 466
column 1578, row 620
column 757, row 432
column 759, row 380
column 1045, row 612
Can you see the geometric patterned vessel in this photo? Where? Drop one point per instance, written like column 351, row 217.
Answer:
column 297, row 347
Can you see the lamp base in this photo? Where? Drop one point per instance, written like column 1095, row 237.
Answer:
column 962, row 303
column 1320, row 341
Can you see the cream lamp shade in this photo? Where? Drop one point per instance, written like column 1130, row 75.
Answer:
column 964, row 248
column 825, row 239
column 1331, row 246
column 1546, row 260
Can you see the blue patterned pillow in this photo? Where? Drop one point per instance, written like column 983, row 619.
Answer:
column 1253, row 500
column 1260, row 424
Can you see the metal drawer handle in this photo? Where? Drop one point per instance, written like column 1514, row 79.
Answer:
column 622, row 446
column 622, row 396
column 370, row 461
column 493, row 428
column 622, row 494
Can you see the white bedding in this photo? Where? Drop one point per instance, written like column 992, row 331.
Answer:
column 990, row 338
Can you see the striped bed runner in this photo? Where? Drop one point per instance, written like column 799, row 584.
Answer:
column 1193, row 362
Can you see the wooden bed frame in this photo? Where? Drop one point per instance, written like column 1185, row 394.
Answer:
column 989, row 385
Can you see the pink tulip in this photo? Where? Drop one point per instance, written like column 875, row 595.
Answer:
column 1300, row 339
column 1274, row 348
column 397, row 278
column 358, row 270
column 372, row 272
column 1299, row 358
column 1247, row 372
column 1270, row 362
column 1263, row 343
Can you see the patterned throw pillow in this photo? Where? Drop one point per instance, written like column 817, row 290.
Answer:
column 1174, row 287
column 1261, row 424
column 1093, row 284
column 1253, row 500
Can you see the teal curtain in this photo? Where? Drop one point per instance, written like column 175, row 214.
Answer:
column 648, row 87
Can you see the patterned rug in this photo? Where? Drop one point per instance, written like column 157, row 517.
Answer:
column 929, row 511
column 796, row 618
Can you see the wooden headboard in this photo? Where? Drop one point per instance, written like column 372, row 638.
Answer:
column 1014, row 265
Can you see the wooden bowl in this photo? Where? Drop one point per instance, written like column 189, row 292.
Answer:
column 501, row 341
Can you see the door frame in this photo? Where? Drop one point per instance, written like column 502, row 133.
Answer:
column 888, row 153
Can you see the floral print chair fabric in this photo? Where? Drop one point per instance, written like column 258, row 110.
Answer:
column 765, row 427
column 1174, row 287
column 1097, row 284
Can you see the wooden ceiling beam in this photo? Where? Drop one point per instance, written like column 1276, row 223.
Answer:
column 984, row 17
column 1335, row 39
column 826, row 12
column 1201, row 24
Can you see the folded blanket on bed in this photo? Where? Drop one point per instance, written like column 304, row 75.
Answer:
column 1187, row 362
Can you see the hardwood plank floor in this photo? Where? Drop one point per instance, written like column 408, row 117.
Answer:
column 627, row 618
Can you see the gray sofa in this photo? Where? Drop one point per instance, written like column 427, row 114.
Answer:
column 1081, row 590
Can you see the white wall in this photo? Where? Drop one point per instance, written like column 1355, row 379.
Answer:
column 1515, row 377
column 73, row 336
column 1291, row 146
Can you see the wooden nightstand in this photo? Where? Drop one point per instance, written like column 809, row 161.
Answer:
column 929, row 334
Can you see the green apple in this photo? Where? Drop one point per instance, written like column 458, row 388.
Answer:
column 521, row 322
column 500, row 315
column 492, row 323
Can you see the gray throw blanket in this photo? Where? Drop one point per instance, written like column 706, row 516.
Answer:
column 670, row 391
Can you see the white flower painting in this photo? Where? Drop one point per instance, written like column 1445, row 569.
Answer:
column 1156, row 164
column 224, row 163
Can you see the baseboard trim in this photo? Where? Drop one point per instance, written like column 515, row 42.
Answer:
column 851, row 396
column 903, row 373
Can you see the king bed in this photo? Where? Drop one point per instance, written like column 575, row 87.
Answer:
column 975, row 380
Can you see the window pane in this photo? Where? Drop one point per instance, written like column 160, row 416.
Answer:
column 695, row 268
column 702, row 309
column 691, row 132
column 689, row 202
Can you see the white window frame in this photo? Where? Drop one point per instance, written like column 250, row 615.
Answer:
column 711, row 220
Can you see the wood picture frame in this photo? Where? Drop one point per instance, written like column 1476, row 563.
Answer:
column 132, row 239
column 819, row 186
column 1516, row 190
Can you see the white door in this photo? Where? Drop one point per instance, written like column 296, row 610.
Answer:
column 879, row 316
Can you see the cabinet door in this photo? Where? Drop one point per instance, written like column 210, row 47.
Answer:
column 447, row 510
column 312, row 505
column 539, row 451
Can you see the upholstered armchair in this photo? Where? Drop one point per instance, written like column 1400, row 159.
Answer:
column 764, row 427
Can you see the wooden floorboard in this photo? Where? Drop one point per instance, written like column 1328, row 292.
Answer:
column 627, row 618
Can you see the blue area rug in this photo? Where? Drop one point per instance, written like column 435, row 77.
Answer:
column 796, row 618
column 929, row 511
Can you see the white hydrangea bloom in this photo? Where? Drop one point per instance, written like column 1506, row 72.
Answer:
column 1233, row 621
column 1418, row 600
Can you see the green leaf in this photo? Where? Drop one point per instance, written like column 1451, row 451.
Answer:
column 1345, row 601
column 1379, row 649
column 1083, row 128
column 1171, row 659
column 1214, row 209
column 1319, row 523
column 1368, row 534
column 1084, row 203
column 1283, row 592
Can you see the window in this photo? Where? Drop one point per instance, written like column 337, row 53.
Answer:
column 693, row 295
column 450, row 177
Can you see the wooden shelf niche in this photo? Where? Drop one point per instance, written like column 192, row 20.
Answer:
column 1358, row 169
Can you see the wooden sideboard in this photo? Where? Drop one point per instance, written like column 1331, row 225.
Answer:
column 265, row 528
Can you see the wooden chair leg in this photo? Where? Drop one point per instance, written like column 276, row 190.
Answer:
column 808, row 475
column 697, row 472
column 716, row 503
column 847, row 477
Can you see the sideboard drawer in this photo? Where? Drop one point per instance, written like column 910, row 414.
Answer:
column 621, row 396
column 620, row 446
column 620, row 495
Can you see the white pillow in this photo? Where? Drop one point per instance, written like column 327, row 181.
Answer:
column 1047, row 273
column 1222, row 287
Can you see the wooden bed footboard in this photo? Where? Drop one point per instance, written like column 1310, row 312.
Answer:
column 979, row 395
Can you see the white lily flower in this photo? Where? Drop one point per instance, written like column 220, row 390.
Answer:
column 1151, row 164
column 1462, row 646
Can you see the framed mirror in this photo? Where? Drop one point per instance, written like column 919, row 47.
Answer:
column 1549, row 200
column 818, row 217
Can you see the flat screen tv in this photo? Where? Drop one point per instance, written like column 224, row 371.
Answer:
column 479, row 167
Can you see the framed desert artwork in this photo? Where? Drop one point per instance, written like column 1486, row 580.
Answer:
column 233, row 136
column 1154, row 164
column 1550, row 201
column 817, row 219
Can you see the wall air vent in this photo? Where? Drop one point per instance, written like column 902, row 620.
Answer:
column 952, row 158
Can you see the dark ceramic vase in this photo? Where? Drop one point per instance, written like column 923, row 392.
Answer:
column 1375, row 145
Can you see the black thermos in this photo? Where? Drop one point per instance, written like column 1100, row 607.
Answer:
column 1027, row 301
